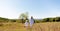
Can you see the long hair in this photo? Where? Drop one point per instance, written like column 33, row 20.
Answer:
column 31, row 17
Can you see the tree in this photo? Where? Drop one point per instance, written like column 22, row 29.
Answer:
column 53, row 19
column 46, row 20
column 23, row 16
column 57, row 19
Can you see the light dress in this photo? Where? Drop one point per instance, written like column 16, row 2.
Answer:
column 31, row 21
column 26, row 23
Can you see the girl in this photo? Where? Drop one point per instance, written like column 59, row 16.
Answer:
column 26, row 23
column 31, row 22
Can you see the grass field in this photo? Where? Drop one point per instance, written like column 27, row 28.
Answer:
column 47, row 26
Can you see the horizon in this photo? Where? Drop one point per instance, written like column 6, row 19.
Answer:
column 39, row 9
column 29, row 18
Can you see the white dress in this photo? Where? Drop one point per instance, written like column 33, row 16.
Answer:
column 31, row 22
column 26, row 23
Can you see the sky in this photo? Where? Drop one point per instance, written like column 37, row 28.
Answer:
column 36, row 8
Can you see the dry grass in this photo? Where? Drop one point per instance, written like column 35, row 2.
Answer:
column 48, row 26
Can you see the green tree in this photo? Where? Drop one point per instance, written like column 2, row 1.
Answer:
column 46, row 20
column 23, row 16
column 57, row 19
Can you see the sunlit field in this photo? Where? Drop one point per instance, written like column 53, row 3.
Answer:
column 47, row 26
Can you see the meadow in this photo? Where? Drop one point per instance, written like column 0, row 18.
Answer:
column 46, row 26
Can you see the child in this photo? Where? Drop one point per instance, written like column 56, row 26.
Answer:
column 26, row 23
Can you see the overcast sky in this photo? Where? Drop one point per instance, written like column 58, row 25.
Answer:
column 36, row 8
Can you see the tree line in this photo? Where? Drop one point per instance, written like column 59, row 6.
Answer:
column 56, row 19
column 23, row 16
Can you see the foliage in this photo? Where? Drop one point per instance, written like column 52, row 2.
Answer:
column 23, row 16
column 56, row 19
